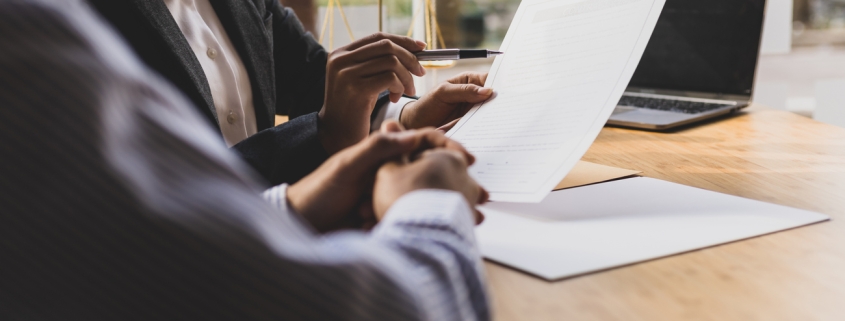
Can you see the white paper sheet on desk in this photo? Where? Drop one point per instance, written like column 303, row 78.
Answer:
column 566, row 64
column 597, row 227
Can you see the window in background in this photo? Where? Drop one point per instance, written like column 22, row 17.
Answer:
column 809, row 79
column 462, row 23
column 798, row 77
column 819, row 22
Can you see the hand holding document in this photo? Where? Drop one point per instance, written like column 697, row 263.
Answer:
column 567, row 64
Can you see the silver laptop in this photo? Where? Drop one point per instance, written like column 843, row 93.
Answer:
column 700, row 63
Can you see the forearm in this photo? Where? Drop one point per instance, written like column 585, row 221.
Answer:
column 285, row 153
column 386, row 110
column 433, row 232
column 423, row 257
column 434, row 248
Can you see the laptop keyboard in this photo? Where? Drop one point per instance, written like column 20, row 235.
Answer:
column 679, row 106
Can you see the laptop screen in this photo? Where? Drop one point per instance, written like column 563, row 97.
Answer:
column 703, row 45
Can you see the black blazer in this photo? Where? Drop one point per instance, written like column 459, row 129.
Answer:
column 286, row 68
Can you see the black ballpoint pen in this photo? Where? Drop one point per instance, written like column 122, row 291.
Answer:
column 455, row 54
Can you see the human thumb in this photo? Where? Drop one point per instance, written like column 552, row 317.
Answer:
column 381, row 147
column 470, row 93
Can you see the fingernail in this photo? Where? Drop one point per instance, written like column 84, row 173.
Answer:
column 421, row 44
column 485, row 91
column 422, row 70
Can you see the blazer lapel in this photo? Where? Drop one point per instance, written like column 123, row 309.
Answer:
column 162, row 21
column 247, row 30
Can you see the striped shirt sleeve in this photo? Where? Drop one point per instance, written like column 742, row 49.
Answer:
column 120, row 203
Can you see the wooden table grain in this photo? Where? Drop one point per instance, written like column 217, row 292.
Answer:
column 767, row 155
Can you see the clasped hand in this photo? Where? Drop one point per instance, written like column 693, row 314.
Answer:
column 357, row 186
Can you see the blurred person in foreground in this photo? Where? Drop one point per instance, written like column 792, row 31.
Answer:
column 120, row 203
column 242, row 61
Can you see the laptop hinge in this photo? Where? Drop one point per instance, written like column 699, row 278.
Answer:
column 671, row 97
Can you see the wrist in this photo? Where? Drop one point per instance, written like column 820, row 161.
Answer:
column 324, row 132
column 291, row 197
column 406, row 113
column 302, row 201
column 338, row 129
column 332, row 132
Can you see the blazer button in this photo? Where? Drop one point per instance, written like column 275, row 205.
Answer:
column 212, row 53
column 231, row 118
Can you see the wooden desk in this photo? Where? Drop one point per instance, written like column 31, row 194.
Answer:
column 281, row 119
column 771, row 156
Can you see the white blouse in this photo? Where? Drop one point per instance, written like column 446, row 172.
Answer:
column 227, row 77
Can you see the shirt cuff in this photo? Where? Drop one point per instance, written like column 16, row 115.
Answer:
column 278, row 197
column 433, row 210
column 391, row 111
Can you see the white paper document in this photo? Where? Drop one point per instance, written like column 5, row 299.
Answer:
column 566, row 64
column 597, row 227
